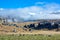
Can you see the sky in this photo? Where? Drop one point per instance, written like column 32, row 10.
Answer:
column 31, row 9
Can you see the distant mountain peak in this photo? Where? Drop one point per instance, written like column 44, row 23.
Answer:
column 55, row 13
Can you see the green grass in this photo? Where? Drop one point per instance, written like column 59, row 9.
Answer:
column 29, row 37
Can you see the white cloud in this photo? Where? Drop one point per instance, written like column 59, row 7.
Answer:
column 37, row 3
column 1, row 9
column 34, row 12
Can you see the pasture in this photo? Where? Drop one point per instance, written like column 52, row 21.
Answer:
column 17, row 31
column 29, row 37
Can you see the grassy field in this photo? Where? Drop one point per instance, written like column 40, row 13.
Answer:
column 29, row 37
column 6, row 33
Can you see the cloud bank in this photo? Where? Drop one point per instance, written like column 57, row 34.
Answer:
column 40, row 10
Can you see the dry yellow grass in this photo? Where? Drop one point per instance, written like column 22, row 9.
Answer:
column 9, row 29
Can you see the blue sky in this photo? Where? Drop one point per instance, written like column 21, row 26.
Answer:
column 31, row 9
column 22, row 3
